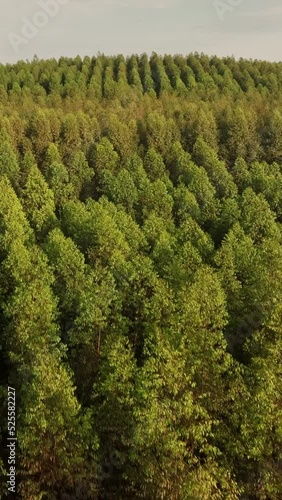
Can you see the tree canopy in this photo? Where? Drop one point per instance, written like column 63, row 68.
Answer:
column 141, row 277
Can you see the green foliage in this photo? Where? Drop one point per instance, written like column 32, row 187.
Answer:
column 204, row 156
column 38, row 201
column 48, row 411
column 161, row 133
column 141, row 276
column 8, row 162
column 105, row 157
column 80, row 174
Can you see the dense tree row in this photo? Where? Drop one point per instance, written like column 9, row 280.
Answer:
column 115, row 76
column 141, row 277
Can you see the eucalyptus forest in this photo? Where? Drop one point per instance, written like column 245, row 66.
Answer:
column 141, row 277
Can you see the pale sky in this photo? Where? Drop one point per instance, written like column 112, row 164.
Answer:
column 251, row 28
